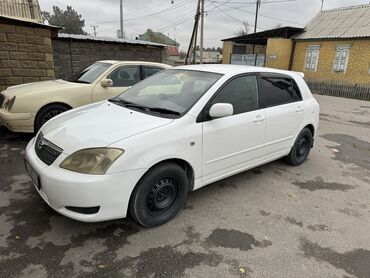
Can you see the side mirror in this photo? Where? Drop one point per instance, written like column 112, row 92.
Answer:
column 106, row 83
column 219, row 110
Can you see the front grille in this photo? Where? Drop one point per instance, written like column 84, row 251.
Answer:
column 46, row 150
column 2, row 97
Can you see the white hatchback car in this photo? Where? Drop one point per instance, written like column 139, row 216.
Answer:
column 183, row 128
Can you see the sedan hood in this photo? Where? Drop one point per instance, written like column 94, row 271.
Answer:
column 50, row 85
column 98, row 125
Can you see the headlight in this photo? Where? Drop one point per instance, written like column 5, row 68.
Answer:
column 9, row 104
column 91, row 161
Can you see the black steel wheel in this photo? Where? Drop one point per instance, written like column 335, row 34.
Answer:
column 301, row 148
column 47, row 113
column 160, row 195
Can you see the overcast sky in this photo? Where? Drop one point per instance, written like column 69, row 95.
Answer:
column 176, row 17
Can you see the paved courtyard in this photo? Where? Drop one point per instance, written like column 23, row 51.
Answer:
column 273, row 221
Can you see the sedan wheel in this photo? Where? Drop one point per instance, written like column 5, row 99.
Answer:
column 47, row 113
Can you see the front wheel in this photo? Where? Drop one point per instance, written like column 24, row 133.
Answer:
column 47, row 113
column 301, row 148
column 160, row 195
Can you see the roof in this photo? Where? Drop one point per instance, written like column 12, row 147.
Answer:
column 113, row 62
column 228, row 69
column 340, row 23
column 65, row 36
column 26, row 22
column 261, row 37
column 157, row 37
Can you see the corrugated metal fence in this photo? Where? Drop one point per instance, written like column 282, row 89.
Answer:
column 21, row 8
column 340, row 89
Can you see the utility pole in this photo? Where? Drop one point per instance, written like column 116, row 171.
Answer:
column 121, row 19
column 322, row 4
column 201, row 32
column 193, row 35
column 258, row 4
column 94, row 27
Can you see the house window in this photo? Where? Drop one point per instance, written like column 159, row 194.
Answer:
column 312, row 57
column 341, row 58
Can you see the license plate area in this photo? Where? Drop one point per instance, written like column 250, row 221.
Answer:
column 33, row 175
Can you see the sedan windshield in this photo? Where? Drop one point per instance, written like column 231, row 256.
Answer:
column 89, row 74
column 170, row 92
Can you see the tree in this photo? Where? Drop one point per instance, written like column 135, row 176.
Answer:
column 69, row 19
column 244, row 29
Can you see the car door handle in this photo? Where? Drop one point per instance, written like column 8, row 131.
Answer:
column 258, row 119
column 299, row 109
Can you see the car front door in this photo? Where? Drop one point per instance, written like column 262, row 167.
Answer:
column 233, row 143
column 123, row 77
column 284, row 113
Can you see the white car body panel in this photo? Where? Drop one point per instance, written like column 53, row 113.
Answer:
column 214, row 149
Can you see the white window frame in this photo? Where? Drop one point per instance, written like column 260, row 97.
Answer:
column 341, row 58
column 312, row 57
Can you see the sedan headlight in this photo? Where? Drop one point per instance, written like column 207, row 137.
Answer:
column 9, row 103
column 91, row 161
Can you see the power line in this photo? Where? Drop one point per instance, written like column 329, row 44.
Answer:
column 170, row 9
column 270, row 17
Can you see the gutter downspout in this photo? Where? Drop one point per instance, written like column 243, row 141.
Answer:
column 292, row 53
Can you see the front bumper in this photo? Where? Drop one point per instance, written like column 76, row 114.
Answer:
column 62, row 188
column 17, row 122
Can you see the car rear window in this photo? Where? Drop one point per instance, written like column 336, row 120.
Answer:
column 279, row 90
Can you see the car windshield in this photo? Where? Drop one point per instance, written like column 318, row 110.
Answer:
column 170, row 92
column 89, row 74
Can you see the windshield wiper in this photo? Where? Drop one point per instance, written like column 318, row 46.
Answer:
column 164, row 110
column 79, row 81
column 127, row 103
column 143, row 107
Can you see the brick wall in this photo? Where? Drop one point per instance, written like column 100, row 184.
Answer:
column 358, row 68
column 71, row 56
column 25, row 55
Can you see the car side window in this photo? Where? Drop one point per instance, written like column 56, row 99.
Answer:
column 241, row 92
column 148, row 71
column 279, row 90
column 125, row 76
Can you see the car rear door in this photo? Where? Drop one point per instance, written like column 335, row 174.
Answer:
column 233, row 143
column 284, row 113
column 123, row 77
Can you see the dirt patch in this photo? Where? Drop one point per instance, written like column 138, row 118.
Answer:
column 264, row 213
column 355, row 262
column 351, row 150
column 363, row 124
column 318, row 227
column 293, row 221
column 319, row 184
column 235, row 239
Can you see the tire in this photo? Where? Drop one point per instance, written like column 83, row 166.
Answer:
column 159, row 195
column 47, row 113
column 301, row 148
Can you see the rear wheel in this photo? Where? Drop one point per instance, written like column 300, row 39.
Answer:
column 301, row 148
column 159, row 195
column 47, row 113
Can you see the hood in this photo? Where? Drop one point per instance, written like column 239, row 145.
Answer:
column 50, row 85
column 98, row 125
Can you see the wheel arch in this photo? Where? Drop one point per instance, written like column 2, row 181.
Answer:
column 185, row 165
column 48, row 104
column 311, row 128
